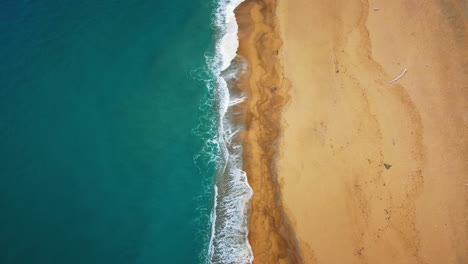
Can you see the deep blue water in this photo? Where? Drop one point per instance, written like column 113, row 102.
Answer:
column 97, row 111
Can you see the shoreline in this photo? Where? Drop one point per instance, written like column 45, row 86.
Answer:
column 270, row 234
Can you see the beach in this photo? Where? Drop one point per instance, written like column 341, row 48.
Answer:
column 270, row 234
column 355, row 143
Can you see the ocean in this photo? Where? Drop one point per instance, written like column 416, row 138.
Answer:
column 115, row 142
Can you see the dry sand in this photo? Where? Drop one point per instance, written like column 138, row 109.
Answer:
column 344, row 122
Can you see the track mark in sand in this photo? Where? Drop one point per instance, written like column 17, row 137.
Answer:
column 368, row 184
column 405, row 213
column 400, row 216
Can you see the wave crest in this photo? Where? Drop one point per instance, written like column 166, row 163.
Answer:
column 229, row 217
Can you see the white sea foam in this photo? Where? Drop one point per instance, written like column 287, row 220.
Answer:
column 229, row 234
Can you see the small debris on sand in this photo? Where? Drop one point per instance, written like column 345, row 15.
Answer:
column 376, row 9
column 335, row 61
column 387, row 166
column 399, row 76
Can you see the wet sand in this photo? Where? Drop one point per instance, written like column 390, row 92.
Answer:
column 270, row 236
column 372, row 172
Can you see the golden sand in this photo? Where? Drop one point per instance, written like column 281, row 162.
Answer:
column 368, row 171
column 374, row 172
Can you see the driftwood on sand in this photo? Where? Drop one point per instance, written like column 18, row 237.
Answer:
column 399, row 76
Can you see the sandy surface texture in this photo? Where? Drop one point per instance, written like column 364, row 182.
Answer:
column 373, row 172
column 270, row 236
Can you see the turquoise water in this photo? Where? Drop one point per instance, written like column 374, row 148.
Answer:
column 98, row 103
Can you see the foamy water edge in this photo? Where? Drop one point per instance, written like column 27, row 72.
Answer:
column 229, row 217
